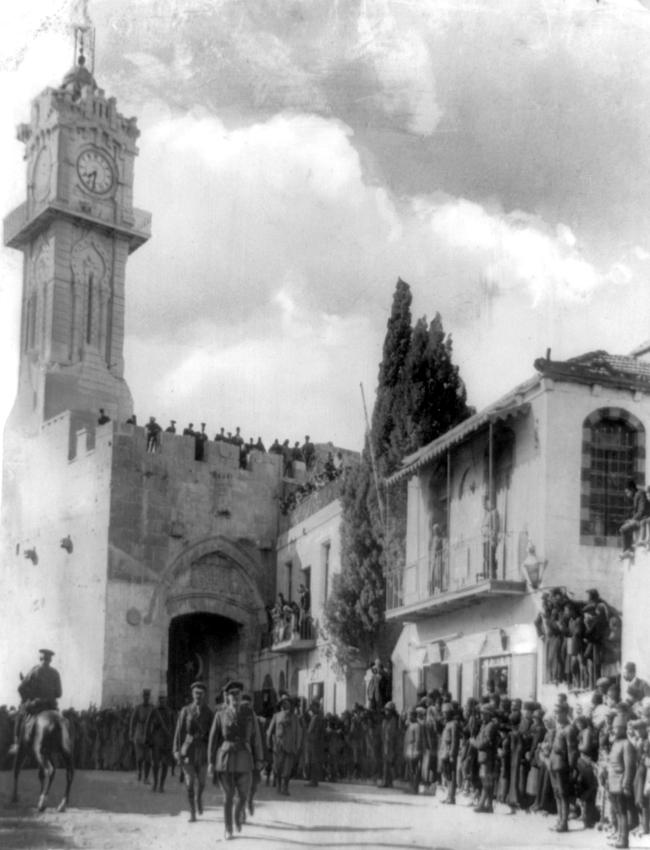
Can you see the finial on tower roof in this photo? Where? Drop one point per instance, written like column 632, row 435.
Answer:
column 79, row 77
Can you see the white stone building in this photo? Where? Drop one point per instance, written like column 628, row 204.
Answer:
column 552, row 457
column 309, row 554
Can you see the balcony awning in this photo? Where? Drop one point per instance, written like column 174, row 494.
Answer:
column 511, row 408
column 464, row 648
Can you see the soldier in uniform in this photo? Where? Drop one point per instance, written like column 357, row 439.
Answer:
column 284, row 737
column 39, row 691
column 191, row 746
column 563, row 760
column 448, row 751
column 159, row 732
column 246, row 699
column 389, row 733
column 315, row 744
column 621, row 766
column 485, row 743
column 234, row 751
column 138, row 735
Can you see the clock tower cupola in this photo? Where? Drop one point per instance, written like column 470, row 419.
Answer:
column 76, row 230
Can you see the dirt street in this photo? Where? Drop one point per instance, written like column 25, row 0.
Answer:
column 111, row 811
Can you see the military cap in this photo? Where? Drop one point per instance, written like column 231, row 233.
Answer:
column 420, row 709
column 603, row 682
column 285, row 698
column 198, row 686
column 233, row 685
column 47, row 652
column 390, row 706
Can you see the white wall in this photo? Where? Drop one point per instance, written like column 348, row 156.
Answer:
column 60, row 603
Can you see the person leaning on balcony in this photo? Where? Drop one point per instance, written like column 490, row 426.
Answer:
column 640, row 511
column 490, row 534
column 435, row 558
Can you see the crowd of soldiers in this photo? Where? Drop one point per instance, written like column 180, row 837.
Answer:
column 587, row 760
column 332, row 469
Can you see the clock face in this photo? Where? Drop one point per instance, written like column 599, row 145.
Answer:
column 95, row 171
column 41, row 175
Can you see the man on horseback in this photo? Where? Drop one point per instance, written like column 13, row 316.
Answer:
column 39, row 690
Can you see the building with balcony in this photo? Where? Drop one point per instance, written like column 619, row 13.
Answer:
column 524, row 495
column 295, row 654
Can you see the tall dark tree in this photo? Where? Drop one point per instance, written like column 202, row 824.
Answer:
column 437, row 398
column 388, row 422
column 420, row 395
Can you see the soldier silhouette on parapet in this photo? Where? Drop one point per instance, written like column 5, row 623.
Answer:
column 171, row 428
column 221, row 436
column 103, row 418
column 200, row 438
column 259, row 445
column 153, row 430
column 189, row 431
column 309, row 452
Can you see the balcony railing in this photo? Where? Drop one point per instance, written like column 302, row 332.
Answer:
column 291, row 633
column 454, row 566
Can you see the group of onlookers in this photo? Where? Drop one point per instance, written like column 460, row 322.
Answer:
column 287, row 618
column 587, row 760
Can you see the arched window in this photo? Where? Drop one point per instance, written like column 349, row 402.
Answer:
column 613, row 450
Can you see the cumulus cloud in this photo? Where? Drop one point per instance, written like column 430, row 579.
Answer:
column 298, row 158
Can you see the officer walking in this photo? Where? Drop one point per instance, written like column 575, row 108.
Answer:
column 191, row 746
column 234, row 751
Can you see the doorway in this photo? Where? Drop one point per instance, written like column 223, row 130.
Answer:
column 201, row 646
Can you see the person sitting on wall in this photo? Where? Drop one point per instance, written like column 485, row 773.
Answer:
column 103, row 418
column 640, row 511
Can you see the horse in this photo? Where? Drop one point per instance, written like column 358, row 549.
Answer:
column 50, row 736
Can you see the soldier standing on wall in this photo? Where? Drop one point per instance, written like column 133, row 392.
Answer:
column 191, row 746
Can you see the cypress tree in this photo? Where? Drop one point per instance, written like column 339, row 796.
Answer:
column 420, row 395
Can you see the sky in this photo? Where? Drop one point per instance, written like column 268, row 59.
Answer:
column 298, row 157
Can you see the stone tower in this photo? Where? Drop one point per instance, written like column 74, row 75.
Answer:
column 139, row 568
column 76, row 230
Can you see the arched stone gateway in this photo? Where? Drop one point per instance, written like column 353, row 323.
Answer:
column 214, row 609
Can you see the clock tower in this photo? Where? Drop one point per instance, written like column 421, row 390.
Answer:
column 76, row 230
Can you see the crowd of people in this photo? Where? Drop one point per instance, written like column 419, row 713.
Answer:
column 288, row 618
column 582, row 640
column 332, row 469
column 588, row 760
